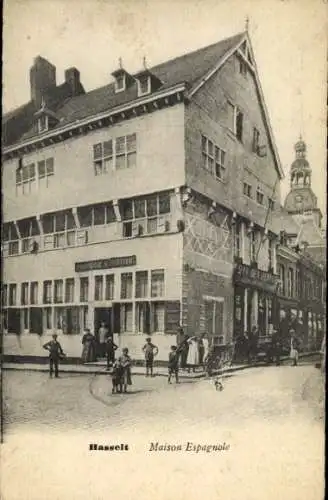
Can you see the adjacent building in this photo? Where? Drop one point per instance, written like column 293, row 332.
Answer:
column 148, row 203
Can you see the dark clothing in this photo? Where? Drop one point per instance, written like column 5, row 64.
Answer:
column 149, row 349
column 125, row 361
column 183, row 349
column 110, row 351
column 89, row 348
column 201, row 351
column 173, row 365
column 117, row 378
column 55, row 354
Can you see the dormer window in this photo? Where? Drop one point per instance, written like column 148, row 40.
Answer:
column 43, row 123
column 144, row 85
column 120, row 83
column 147, row 81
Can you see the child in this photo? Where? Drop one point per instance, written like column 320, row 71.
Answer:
column 125, row 361
column 150, row 351
column 173, row 364
column 117, row 377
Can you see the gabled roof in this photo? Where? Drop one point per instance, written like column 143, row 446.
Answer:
column 189, row 69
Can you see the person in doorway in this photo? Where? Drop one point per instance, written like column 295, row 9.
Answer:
column 183, row 349
column 193, row 357
column 173, row 364
column 55, row 354
column 102, row 336
column 150, row 351
column 110, row 351
column 253, row 339
column 89, row 347
column 294, row 347
column 125, row 361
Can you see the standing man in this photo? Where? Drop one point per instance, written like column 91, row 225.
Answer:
column 55, row 354
column 276, row 346
column 150, row 351
column 102, row 336
column 294, row 347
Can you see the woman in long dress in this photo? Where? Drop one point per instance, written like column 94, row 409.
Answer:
column 193, row 354
column 89, row 347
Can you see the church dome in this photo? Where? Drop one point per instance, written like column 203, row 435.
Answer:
column 300, row 163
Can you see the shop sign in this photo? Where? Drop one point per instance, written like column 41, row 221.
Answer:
column 248, row 275
column 96, row 265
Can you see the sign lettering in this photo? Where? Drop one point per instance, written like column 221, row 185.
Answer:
column 95, row 265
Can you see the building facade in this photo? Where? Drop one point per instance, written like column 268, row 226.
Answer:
column 148, row 204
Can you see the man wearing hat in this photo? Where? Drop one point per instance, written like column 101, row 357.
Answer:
column 55, row 354
column 150, row 351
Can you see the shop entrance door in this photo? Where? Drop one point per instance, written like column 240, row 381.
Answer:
column 103, row 314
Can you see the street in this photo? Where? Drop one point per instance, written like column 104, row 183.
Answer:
column 270, row 418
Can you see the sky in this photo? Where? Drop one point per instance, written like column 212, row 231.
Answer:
column 289, row 38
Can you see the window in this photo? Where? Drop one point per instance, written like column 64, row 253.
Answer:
column 4, row 295
column 157, row 283
column 213, row 158
column 47, row 318
column 247, row 190
column 12, row 294
column 242, row 66
column 59, row 291
column 144, row 85
column 26, row 322
column 103, row 157
column 256, row 141
column 270, row 254
column 126, row 285
column 25, row 179
column 239, row 124
column 99, row 287
column 34, row 292
column 120, row 82
column 237, row 238
column 126, row 318
column 126, row 151
column 10, row 238
column 145, row 215
column 84, row 289
column 158, row 317
column 271, row 204
column 109, row 287
column 290, row 282
column 43, row 123
column 45, row 172
column 28, row 228
column 47, row 292
column 24, row 294
column 282, row 278
column 259, row 196
column 252, row 246
column 141, row 284
column 116, row 154
column 69, row 290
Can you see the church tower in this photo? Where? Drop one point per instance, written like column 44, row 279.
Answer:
column 301, row 200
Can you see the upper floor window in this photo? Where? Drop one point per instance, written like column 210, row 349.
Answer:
column 46, row 170
column 10, row 237
column 29, row 177
column 145, row 215
column 247, row 190
column 47, row 292
column 114, row 154
column 120, row 82
column 99, row 287
column 12, row 294
column 96, row 215
column 242, row 66
column 256, row 141
column 59, row 291
column 252, row 246
column 144, row 85
column 270, row 253
column 158, row 283
column 235, row 120
column 34, row 292
column 69, row 290
column 259, row 196
column 43, row 123
column 141, row 284
column 109, row 286
column 84, row 289
column 237, row 239
column 282, row 278
column 213, row 158
column 290, row 282
column 4, row 295
column 24, row 294
column 126, row 285
column 271, row 204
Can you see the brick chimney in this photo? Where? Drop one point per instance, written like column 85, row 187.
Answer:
column 42, row 78
column 72, row 78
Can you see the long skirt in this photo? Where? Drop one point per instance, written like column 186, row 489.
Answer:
column 88, row 352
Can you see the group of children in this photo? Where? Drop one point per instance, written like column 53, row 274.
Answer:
column 121, row 373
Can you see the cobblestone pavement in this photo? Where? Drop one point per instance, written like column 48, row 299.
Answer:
column 270, row 419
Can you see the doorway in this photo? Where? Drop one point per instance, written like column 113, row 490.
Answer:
column 103, row 314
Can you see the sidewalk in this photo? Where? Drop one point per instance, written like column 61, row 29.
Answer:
column 99, row 368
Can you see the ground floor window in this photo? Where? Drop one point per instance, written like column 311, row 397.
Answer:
column 126, row 313
column 214, row 308
column 146, row 317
